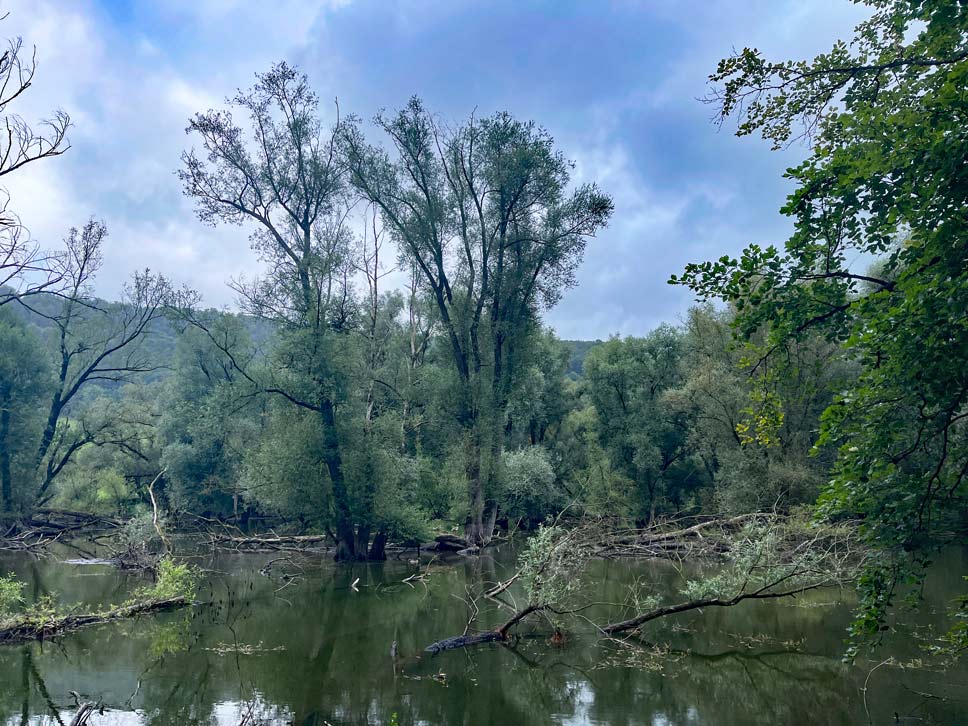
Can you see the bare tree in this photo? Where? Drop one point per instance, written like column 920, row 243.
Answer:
column 95, row 342
column 25, row 269
column 21, row 144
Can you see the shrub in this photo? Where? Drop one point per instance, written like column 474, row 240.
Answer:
column 11, row 595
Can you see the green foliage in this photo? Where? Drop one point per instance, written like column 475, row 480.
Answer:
column 530, row 490
column 551, row 565
column 25, row 380
column 172, row 579
column 11, row 595
column 41, row 613
column 209, row 419
column 955, row 641
column 763, row 419
column 645, row 437
column 884, row 179
column 486, row 216
column 285, row 472
column 138, row 538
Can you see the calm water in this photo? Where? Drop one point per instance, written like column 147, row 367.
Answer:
column 317, row 652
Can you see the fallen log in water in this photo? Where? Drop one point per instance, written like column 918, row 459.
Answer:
column 26, row 628
column 83, row 714
column 771, row 559
column 450, row 543
column 488, row 636
column 708, row 537
column 42, row 527
column 262, row 543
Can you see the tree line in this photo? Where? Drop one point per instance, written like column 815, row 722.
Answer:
column 374, row 412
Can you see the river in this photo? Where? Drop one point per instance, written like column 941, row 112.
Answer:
column 315, row 650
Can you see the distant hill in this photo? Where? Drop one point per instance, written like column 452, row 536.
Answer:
column 578, row 349
column 159, row 344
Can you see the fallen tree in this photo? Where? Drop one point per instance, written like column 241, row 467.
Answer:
column 174, row 588
column 762, row 557
column 42, row 527
column 270, row 543
column 670, row 540
column 31, row 627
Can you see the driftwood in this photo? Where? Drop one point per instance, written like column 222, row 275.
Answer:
column 488, row 636
column 450, row 543
column 447, row 542
column 270, row 543
column 25, row 629
column 61, row 519
column 669, row 540
column 42, row 527
column 83, row 714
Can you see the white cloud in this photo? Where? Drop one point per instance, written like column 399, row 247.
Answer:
column 130, row 83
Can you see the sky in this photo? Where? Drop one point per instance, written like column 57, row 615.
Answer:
column 616, row 83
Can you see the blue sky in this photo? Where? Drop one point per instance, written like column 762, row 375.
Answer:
column 616, row 83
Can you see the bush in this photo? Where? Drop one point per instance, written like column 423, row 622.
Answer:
column 11, row 595
column 529, row 485
column 173, row 580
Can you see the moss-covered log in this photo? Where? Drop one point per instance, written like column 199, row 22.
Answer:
column 26, row 628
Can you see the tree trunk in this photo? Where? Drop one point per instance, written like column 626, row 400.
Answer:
column 378, row 548
column 474, row 524
column 50, row 428
column 345, row 537
column 490, row 521
column 6, row 486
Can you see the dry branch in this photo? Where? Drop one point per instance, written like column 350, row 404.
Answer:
column 766, row 557
column 270, row 543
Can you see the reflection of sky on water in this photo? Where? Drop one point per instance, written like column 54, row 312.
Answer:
column 322, row 655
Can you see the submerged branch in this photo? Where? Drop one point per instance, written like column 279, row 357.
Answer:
column 763, row 556
column 624, row 626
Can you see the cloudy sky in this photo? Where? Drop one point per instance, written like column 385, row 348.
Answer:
column 616, row 83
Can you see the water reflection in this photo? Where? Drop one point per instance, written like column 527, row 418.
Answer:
column 313, row 649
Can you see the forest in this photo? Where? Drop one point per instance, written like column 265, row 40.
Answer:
column 389, row 383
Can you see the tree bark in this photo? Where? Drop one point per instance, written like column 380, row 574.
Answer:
column 6, row 485
column 378, row 548
column 362, row 540
column 345, row 536
column 474, row 524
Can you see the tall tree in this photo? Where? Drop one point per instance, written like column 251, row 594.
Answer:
column 286, row 179
column 484, row 213
column 886, row 116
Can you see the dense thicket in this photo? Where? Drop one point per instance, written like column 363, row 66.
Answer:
column 652, row 426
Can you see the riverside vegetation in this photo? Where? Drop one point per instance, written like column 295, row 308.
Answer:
column 805, row 427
